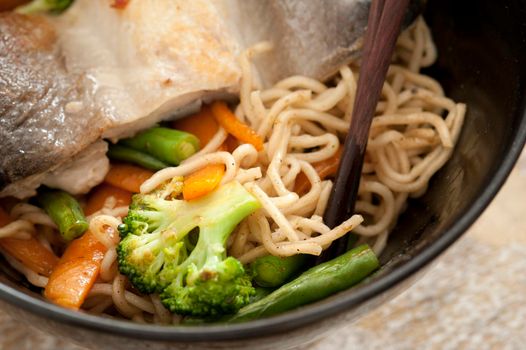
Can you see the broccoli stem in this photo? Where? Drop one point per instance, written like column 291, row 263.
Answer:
column 314, row 284
column 65, row 211
column 130, row 155
column 273, row 271
column 167, row 145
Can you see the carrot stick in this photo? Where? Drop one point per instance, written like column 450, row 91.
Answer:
column 127, row 177
column 76, row 272
column 203, row 181
column 28, row 251
column 235, row 127
column 231, row 143
column 101, row 193
column 31, row 253
column 202, row 125
column 325, row 168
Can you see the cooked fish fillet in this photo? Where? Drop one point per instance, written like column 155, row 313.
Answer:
column 98, row 72
column 150, row 58
column 309, row 37
column 39, row 129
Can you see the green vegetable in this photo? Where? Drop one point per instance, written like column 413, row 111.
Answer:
column 65, row 211
column 273, row 271
column 156, row 256
column 167, row 145
column 314, row 284
column 39, row 6
column 126, row 154
column 260, row 294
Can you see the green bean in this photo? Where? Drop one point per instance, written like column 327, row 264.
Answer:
column 167, row 145
column 127, row 154
column 260, row 294
column 314, row 284
column 65, row 212
column 273, row 271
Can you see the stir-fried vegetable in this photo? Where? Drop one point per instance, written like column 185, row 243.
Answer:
column 39, row 6
column 167, row 145
column 29, row 251
column 203, row 181
column 324, row 168
column 100, row 195
column 130, row 155
column 65, row 211
column 202, row 125
column 127, row 177
column 157, row 255
column 314, row 284
column 273, row 271
column 75, row 273
column 234, row 126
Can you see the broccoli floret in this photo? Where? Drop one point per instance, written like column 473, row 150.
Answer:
column 157, row 255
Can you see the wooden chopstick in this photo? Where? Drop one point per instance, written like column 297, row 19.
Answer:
column 384, row 24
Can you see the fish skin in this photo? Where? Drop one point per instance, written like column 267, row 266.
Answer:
column 312, row 38
column 39, row 127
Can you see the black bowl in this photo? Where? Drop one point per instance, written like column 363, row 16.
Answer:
column 482, row 62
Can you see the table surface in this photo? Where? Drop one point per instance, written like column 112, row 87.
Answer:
column 474, row 297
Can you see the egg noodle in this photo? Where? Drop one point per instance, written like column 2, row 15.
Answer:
column 302, row 121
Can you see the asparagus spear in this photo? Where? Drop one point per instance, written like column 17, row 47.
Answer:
column 65, row 211
column 167, row 145
column 314, row 284
column 127, row 154
column 273, row 271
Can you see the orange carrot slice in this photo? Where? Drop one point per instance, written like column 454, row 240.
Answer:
column 324, row 168
column 76, row 272
column 235, row 127
column 202, row 124
column 101, row 193
column 29, row 252
column 203, row 181
column 127, row 177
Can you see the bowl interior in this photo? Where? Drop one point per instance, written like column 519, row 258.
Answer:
column 481, row 59
column 481, row 62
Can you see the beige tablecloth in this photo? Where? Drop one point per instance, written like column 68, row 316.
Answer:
column 473, row 298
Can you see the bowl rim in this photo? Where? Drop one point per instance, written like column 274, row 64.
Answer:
column 293, row 319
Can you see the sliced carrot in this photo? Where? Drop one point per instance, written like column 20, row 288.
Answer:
column 202, row 124
column 28, row 251
column 31, row 253
column 203, row 181
column 324, row 168
column 71, row 282
column 231, row 143
column 127, row 177
column 76, row 272
column 235, row 127
column 101, row 193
